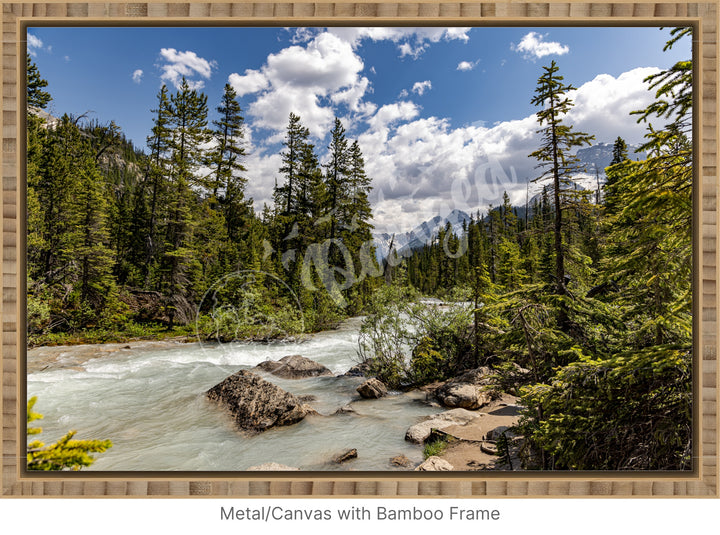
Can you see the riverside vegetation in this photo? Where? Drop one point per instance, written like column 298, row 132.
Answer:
column 588, row 293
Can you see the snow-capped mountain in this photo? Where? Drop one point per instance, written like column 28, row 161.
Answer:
column 593, row 161
column 600, row 155
column 421, row 235
column 591, row 167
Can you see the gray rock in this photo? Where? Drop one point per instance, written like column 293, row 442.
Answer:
column 347, row 409
column 372, row 389
column 419, row 432
column 468, row 391
column 489, row 447
column 434, row 464
column 494, row 434
column 401, row 460
column 345, row 456
column 359, row 370
column 294, row 367
column 256, row 404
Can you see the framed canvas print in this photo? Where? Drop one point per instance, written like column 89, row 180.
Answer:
column 359, row 249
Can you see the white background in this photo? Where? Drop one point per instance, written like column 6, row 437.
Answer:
column 197, row 515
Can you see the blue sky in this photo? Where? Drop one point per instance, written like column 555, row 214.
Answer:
column 443, row 115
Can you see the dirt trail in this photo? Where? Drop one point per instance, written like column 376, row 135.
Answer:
column 469, row 448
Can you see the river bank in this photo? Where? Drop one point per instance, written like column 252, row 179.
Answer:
column 148, row 398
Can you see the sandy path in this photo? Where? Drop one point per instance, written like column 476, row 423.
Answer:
column 465, row 451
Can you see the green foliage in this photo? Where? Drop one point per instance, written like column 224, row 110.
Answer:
column 628, row 412
column 106, row 222
column 619, row 151
column 427, row 363
column 36, row 97
column 408, row 342
column 436, row 447
column 65, row 454
column 558, row 139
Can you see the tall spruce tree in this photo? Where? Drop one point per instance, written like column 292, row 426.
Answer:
column 619, row 151
column 554, row 153
column 337, row 172
column 150, row 204
column 227, row 157
column 228, row 181
column 287, row 197
column 188, row 116
column 188, row 124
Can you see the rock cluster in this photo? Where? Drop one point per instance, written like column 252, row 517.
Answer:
column 471, row 390
column 294, row 367
column 256, row 404
column 372, row 389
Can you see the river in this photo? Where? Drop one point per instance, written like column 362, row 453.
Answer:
column 149, row 400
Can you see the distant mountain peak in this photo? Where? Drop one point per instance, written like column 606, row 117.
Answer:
column 423, row 234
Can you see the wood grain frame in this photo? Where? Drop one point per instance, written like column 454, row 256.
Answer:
column 701, row 481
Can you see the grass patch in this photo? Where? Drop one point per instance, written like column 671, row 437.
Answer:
column 436, row 447
column 128, row 332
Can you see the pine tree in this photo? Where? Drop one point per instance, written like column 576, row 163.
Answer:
column 650, row 208
column 296, row 138
column 337, row 173
column 149, row 203
column 227, row 157
column 619, row 151
column 36, row 97
column 228, row 183
column 554, row 154
column 188, row 114
column 69, row 253
column 296, row 157
column 180, row 266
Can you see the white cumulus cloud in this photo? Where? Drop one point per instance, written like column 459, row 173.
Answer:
column 409, row 41
column 465, row 66
column 308, row 80
column 421, row 87
column 34, row 44
column 533, row 45
column 422, row 167
column 137, row 75
column 185, row 64
column 250, row 82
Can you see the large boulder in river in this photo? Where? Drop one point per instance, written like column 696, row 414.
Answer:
column 471, row 390
column 372, row 389
column 294, row 367
column 256, row 404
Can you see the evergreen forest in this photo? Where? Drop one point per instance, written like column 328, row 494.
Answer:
column 580, row 301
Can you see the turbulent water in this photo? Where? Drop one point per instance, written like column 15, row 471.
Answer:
column 149, row 401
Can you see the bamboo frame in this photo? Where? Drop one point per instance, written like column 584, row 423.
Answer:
column 702, row 481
